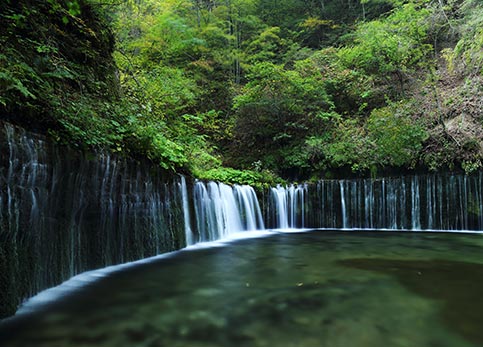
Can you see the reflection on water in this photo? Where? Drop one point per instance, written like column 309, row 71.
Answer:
column 310, row 289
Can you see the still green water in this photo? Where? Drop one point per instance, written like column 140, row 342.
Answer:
column 312, row 289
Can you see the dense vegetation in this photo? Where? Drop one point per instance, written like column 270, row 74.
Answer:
column 285, row 88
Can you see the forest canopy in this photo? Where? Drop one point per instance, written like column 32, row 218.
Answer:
column 250, row 90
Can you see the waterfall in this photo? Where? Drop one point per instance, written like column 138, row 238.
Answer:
column 249, row 207
column 419, row 202
column 279, row 195
column 189, row 237
column 343, row 204
column 222, row 210
column 415, row 205
column 68, row 211
column 289, row 205
column 64, row 212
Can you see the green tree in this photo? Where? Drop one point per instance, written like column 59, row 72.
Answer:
column 397, row 138
column 275, row 111
column 390, row 48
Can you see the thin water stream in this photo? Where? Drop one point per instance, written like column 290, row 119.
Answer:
column 311, row 289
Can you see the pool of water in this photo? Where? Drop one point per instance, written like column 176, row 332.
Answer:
column 308, row 289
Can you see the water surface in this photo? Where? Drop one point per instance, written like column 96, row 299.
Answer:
column 312, row 289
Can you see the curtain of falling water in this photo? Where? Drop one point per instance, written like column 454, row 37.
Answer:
column 419, row 202
column 63, row 212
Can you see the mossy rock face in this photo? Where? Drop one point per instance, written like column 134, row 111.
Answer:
column 8, row 300
column 4, row 309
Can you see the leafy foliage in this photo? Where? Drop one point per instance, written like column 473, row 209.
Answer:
column 276, row 108
column 397, row 138
column 292, row 88
column 259, row 180
column 467, row 51
column 390, row 47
